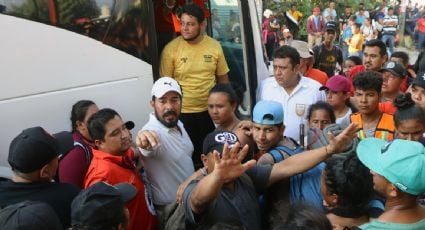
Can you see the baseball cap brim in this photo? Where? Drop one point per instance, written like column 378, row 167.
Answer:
column 391, row 71
column 65, row 142
column 323, row 88
column 369, row 151
column 127, row 191
column 129, row 125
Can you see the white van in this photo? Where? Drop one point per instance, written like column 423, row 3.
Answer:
column 49, row 61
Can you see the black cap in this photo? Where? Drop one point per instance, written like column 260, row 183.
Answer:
column 395, row 68
column 331, row 25
column 29, row 215
column 34, row 147
column 98, row 205
column 419, row 80
column 129, row 125
column 216, row 140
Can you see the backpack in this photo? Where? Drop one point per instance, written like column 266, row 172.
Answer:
column 279, row 156
column 87, row 152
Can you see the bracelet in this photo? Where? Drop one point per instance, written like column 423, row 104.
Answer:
column 326, row 149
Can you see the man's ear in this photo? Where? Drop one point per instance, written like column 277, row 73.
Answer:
column 97, row 143
column 392, row 190
column 152, row 103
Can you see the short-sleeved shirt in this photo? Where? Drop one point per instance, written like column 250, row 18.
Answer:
column 195, row 67
column 326, row 59
column 379, row 225
column 306, row 92
column 238, row 206
column 170, row 164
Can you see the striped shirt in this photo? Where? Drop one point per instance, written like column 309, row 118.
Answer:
column 390, row 29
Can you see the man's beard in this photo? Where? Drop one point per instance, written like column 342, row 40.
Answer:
column 168, row 124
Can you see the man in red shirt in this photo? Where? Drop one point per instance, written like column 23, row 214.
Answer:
column 307, row 61
column 113, row 163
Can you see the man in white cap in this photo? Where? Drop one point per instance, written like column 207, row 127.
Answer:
column 307, row 62
column 165, row 145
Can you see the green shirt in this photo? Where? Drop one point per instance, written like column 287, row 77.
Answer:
column 393, row 226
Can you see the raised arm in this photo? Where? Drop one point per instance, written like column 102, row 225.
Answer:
column 147, row 141
column 226, row 170
column 306, row 160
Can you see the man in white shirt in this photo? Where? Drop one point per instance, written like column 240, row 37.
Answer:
column 291, row 89
column 164, row 143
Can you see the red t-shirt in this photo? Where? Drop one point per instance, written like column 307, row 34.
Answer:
column 317, row 75
column 421, row 25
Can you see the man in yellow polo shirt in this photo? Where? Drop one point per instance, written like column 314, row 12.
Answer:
column 197, row 62
column 293, row 18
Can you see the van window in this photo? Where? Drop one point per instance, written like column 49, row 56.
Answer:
column 227, row 28
column 120, row 24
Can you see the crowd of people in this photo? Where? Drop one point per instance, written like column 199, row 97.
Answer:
column 325, row 148
column 354, row 26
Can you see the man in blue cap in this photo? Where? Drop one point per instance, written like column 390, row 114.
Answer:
column 228, row 193
column 268, row 128
column 398, row 170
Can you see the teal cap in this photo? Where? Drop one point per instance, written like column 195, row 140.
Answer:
column 401, row 162
column 268, row 113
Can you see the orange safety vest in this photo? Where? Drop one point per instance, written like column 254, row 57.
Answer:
column 384, row 130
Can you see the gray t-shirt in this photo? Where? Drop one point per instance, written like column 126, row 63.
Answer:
column 233, row 207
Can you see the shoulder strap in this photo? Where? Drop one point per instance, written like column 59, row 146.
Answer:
column 87, row 152
column 279, row 156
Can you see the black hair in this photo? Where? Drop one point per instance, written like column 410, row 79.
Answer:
column 227, row 89
column 348, row 178
column 305, row 216
column 356, row 59
column 321, row 105
column 287, row 52
column 368, row 80
column 79, row 111
column 193, row 10
column 407, row 110
column 380, row 44
column 402, row 55
column 97, row 121
column 358, row 25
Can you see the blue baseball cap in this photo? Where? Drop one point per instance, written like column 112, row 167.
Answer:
column 268, row 113
column 401, row 162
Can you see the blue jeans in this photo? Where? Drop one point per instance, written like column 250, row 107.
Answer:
column 390, row 39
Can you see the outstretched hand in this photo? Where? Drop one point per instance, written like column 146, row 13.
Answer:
column 229, row 166
column 147, row 139
column 339, row 143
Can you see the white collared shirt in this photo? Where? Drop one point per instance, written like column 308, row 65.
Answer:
column 306, row 92
column 171, row 163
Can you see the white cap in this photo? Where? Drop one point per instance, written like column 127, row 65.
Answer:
column 267, row 13
column 165, row 85
column 302, row 48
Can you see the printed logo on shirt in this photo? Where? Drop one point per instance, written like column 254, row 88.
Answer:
column 207, row 58
column 184, row 59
